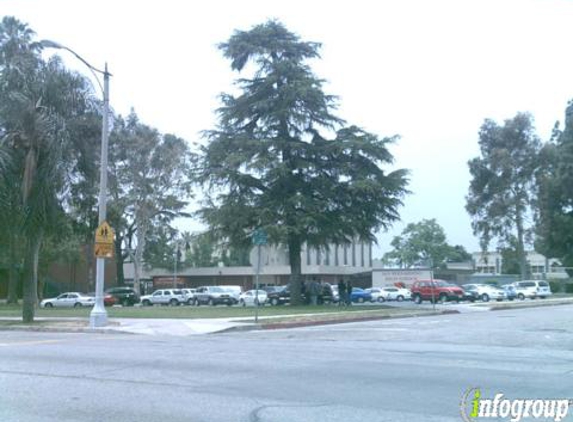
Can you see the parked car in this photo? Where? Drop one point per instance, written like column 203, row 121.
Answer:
column 253, row 297
column 485, row 292
column 434, row 290
column 68, row 300
column 360, row 295
column 214, row 295
column 532, row 289
column 126, row 296
column 189, row 295
column 378, row 295
column 510, row 292
column 469, row 296
column 234, row 290
column 108, row 300
column 282, row 296
column 279, row 297
column 173, row 297
column 393, row 293
column 335, row 293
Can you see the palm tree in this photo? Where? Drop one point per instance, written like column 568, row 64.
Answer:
column 39, row 99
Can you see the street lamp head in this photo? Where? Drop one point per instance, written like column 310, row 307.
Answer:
column 50, row 44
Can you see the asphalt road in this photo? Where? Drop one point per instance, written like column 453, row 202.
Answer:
column 412, row 369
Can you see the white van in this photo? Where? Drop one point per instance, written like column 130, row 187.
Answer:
column 532, row 289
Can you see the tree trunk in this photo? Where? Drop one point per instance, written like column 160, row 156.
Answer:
column 142, row 227
column 30, row 299
column 294, row 249
column 119, row 261
column 12, row 279
column 521, row 244
column 90, row 261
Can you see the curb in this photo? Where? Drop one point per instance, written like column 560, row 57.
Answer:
column 64, row 330
column 521, row 305
column 300, row 324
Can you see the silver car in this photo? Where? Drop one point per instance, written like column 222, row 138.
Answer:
column 68, row 300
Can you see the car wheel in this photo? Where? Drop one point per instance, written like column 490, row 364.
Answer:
column 417, row 299
column 360, row 300
column 125, row 302
column 381, row 299
column 48, row 305
column 521, row 296
column 211, row 302
column 174, row 302
column 77, row 305
column 400, row 298
column 146, row 303
column 443, row 298
column 242, row 303
column 485, row 297
column 274, row 301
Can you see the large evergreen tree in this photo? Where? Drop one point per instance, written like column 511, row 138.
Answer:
column 502, row 189
column 280, row 159
column 555, row 182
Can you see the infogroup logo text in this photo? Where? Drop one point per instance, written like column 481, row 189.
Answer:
column 474, row 407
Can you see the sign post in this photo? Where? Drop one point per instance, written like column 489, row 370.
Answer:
column 259, row 239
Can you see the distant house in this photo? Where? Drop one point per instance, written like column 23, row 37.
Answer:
column 540, row 267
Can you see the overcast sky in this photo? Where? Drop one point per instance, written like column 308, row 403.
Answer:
column 430, row 71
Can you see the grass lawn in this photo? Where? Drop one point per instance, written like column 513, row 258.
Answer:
column 190, row 312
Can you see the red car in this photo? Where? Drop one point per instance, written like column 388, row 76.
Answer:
column 435, row 290
column 108, row 300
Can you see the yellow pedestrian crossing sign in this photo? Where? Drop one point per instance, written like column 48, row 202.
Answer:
column 104, row 234
column 104, row 241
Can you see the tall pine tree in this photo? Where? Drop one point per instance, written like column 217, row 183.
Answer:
column 280, row 159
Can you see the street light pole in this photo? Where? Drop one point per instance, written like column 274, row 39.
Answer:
column 98, row 315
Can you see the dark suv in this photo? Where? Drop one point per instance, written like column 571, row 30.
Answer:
column 282, row 296
column 124, row 295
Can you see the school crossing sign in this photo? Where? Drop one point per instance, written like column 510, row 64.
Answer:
column 104, row 241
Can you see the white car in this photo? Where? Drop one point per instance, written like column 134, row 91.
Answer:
column 382, row 294
column 532, row 289
column 173, row 297
column 397, row 293
column 68, row 300
column 189, row 295
column 251, row 298
column 485, row 292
